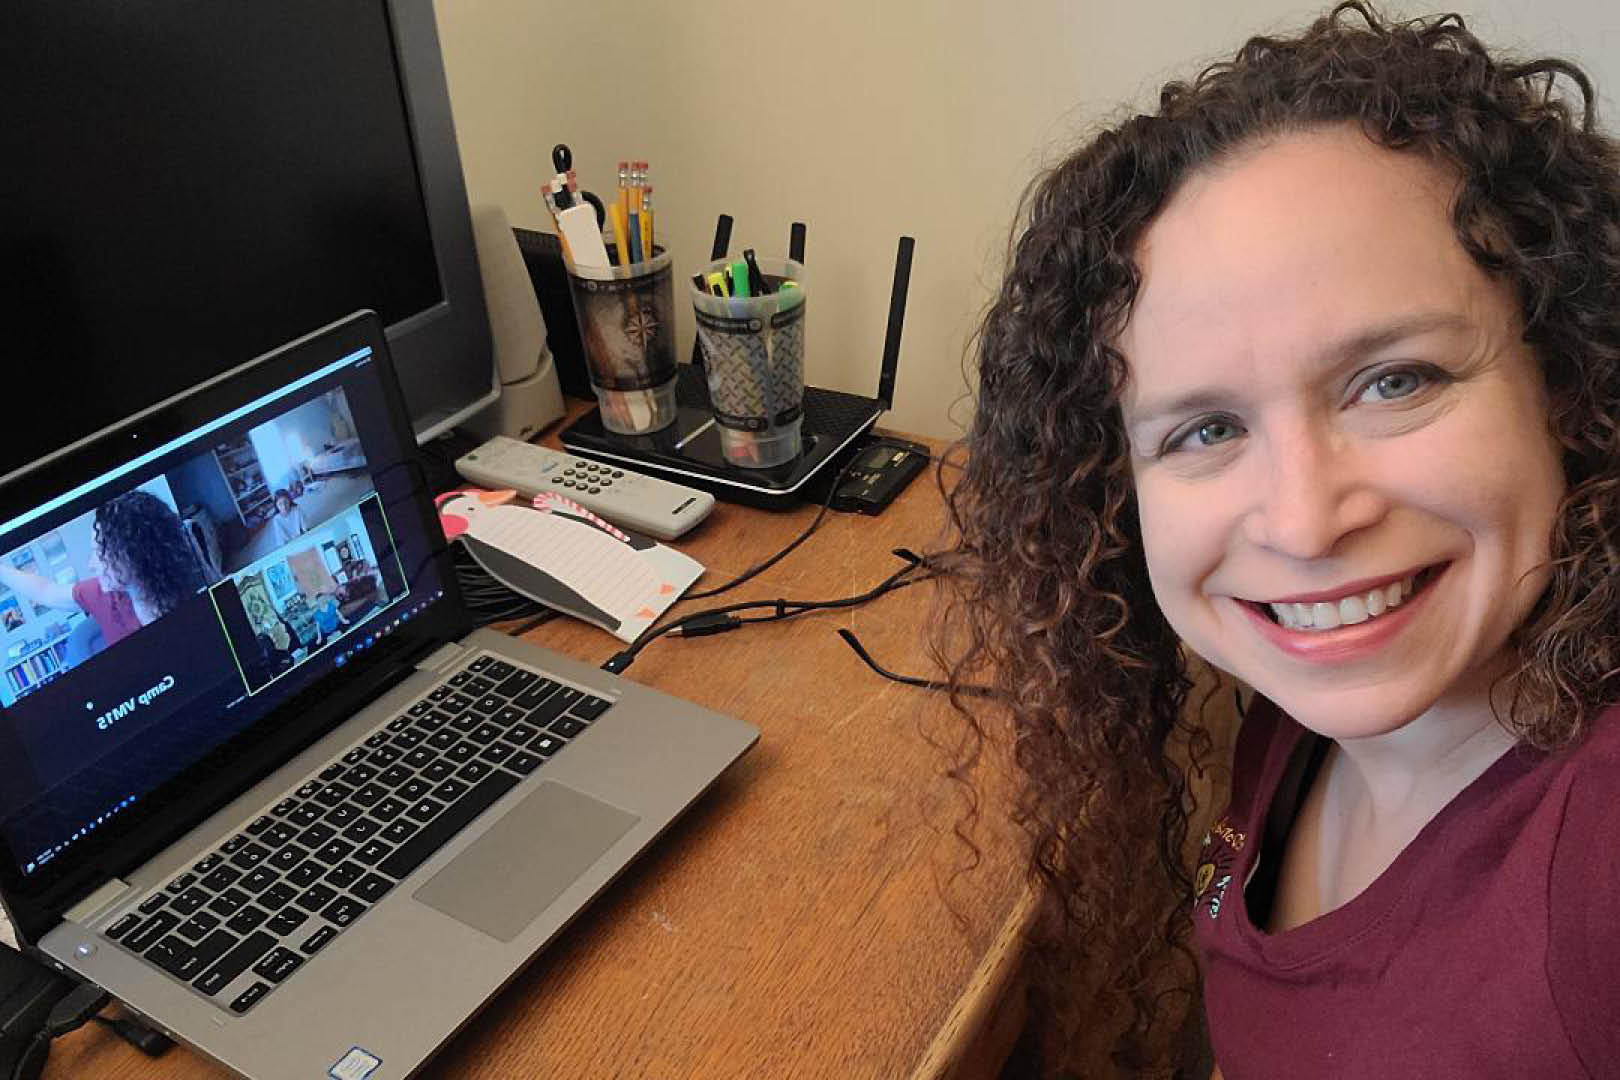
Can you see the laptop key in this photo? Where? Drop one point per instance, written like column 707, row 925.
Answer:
column 278, row 965
column 442, row 740
column 481, row 663
column 247, row 920
column 343, row 911
column 361, row 830
column 234, row 963
column 407, row 740
column 425, row 810
column 498, row 752
column 343, row 875
column 285, row 922
column 354, row 756
column 459, row 703
column 383, row 756
column 524, row 762
column 520, row 733
column 466, row 722
column 421, row 708
column 228, row 902
column 341, row 816
column 489, row 705
column 332, row 794
column 316, row 835
column 122, row 926
column 438, row 770
column 439, row 693
column 450, row 791
column 546, row 744
column 152, row 931
column 567, row 727
column 331, row 772
column 372, row 852
column 474, row 771
column 376, row 739
column 398, row 723
column 305, row 816
column 547, row 711
column 415, row 851
column 260, row 824
column 277, row 896
column 189, row 901
column 211, row 948
column 371, row 888
column 250, row 856
column 305, row 874
column 589, row 708
column 334, row 851
column 499, row 670
column 478, row 688
column 510, row 715
column 282, row 809
column 174, row 955
column 360, row 775
column 485, row 733
column 394, row 775
column 516, row 683
column 309, row 789
column 250, row 997
column 234, row 844
column 221, row 877
column 258, row 879
column 317, row 941
column 152, row 903
column 388, row 810
column 316, row 897
column 461, row 678
column 278, row 834
column 420, row 757
column 414, row 790
column 288, row 857
column 198, row 926
column 399, row 832
column 534, row 695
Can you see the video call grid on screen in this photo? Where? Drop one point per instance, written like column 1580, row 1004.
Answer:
column 167, row 592
column 269, row 520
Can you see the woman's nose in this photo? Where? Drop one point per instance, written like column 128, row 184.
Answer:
column 1313, row 493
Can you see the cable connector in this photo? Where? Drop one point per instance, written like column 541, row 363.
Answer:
column 704, row 625
column 148, row 1040
column 619, row 661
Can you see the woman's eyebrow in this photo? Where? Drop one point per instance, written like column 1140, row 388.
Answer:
column 1353, row 347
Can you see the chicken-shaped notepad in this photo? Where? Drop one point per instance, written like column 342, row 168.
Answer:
column 562, row 555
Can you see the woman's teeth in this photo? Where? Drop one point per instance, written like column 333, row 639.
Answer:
column 1345, row 612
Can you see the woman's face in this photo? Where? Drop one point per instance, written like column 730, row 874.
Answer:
column 1334, row 421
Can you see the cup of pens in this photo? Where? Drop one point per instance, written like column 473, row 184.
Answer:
column 750, row 319
column 626, row 318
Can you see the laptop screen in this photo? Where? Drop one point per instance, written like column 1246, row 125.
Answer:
column 159, row 608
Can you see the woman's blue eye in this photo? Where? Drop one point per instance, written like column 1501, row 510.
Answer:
column 1208, row 433
column 1216, row 431
column 1393, row 385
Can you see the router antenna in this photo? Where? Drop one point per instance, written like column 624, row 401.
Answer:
column 795, row 243
column 897, row 319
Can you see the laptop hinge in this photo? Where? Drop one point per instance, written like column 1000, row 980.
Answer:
column 103, row 898
column 444, row 656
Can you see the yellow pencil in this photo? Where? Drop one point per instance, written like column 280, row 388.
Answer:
column 621, row 233
column 646, row 223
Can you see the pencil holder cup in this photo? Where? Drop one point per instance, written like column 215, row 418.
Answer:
column 626, row 317
column 753, row 351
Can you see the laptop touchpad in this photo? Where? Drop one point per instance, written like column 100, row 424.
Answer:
column 515, row 870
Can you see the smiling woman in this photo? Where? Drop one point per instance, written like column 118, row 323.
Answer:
column 1314, row 374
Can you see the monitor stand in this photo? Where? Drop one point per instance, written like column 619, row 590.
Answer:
column 688, row 451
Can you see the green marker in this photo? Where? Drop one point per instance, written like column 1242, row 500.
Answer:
column 739, row 278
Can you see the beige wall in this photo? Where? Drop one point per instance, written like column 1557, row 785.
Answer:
column 865, row 120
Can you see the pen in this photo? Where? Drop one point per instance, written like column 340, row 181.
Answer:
column 757, row 284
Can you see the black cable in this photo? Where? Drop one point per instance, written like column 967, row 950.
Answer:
column 971, row 689
column 724, row 618
column 755, row 571
column 69, row 1014
column 148, row 1040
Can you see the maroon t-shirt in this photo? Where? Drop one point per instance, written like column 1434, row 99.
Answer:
column 112, row 610
column 1488, row 948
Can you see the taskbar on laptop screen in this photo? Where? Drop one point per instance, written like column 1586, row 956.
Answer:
column 160, row 608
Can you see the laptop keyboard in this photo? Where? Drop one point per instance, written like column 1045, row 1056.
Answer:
column 248, row 914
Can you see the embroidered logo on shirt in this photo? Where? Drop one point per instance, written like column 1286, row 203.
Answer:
column 1221, row 845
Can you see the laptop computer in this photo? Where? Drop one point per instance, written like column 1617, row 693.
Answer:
column 258, row 777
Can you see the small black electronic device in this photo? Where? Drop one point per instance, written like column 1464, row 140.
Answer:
column 881, row 470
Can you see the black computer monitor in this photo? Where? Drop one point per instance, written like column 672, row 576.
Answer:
column 190, row 183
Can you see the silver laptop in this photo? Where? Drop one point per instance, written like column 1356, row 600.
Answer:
column 257, row 778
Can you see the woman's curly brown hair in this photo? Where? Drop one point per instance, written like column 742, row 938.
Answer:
column 1048, row 597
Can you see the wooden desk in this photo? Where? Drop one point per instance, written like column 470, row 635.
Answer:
column 796, row 921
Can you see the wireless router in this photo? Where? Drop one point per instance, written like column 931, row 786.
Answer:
column 688, row 451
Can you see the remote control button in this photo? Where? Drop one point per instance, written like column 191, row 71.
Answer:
column 617, row 473
column 595, row 491
column 556, row 479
